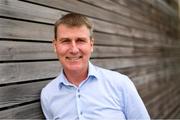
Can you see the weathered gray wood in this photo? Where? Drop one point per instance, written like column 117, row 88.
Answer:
column 25, row 71
column 20, row 93
column 111, row 28
column 150, row 82
column 143, row 9
column 12, row 50
column 101, row 51
column 120, row 2
column 163, row 6
column 89, row 10
column 175, row 113
column 23, row 10
column 135, row 71
column 33, row 31
column 145, row 35
column 150, row 77
column 123, row 10
column 25, row 30
column 161, row 88
column 118, row 63
column 30, row 111
column 110, row 5
column 159, row 106
column 40, row 16
column 150, row 11
column 115, row 40
column 26, row 91
column 39, row 13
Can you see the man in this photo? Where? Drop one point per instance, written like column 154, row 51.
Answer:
column 83, row 91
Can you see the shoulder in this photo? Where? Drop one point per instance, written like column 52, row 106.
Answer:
column 120, row 84
column 51, row 87
column 112, row 76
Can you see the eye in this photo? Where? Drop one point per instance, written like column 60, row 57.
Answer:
column 81, row 40
column 64, row 40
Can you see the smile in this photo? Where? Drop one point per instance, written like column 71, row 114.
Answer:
column 74, row 58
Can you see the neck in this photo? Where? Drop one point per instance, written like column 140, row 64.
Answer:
column 76, row 77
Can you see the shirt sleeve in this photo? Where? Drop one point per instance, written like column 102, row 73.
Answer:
column 134, row 106
column 45, row 107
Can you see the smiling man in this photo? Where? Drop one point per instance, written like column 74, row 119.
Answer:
column 73, row 46
column 84, row 91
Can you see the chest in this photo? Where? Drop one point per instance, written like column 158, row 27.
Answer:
column 92, row 101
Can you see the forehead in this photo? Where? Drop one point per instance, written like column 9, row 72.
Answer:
column 81, row 31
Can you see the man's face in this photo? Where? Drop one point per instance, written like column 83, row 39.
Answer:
column 73, row 47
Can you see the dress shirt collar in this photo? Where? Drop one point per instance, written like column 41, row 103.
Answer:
column 91, row 73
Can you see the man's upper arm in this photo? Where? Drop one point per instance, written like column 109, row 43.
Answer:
column 134, row 106
column 45, row 106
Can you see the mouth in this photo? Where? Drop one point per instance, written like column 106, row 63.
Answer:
column 76, row 58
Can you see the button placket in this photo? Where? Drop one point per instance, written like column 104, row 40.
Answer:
column 81, row 113
column 78, row 98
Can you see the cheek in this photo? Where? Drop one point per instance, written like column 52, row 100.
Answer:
column 89, row 50
column 60, row 51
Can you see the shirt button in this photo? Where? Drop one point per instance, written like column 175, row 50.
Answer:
column 81, row 113
column 79, row 96
column 78, row 90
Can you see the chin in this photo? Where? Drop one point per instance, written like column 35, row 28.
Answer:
column 74, row 67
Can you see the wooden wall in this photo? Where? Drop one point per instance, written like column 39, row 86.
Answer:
column 134, row 37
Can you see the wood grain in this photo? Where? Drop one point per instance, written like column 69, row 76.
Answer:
column 29, row 111
column 17, row 94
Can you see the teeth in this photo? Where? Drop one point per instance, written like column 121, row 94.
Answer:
column 74, row 58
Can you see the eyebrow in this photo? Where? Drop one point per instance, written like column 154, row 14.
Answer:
column 60, row 39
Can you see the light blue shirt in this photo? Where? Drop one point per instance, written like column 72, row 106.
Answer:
column 104, row 95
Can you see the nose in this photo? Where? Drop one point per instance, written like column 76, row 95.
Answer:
column 74, row 48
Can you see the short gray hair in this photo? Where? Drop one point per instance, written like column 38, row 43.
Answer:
column 74, row 20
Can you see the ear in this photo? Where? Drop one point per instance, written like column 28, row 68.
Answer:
column 54, row 45
column 92, row 49
column 92, row 44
